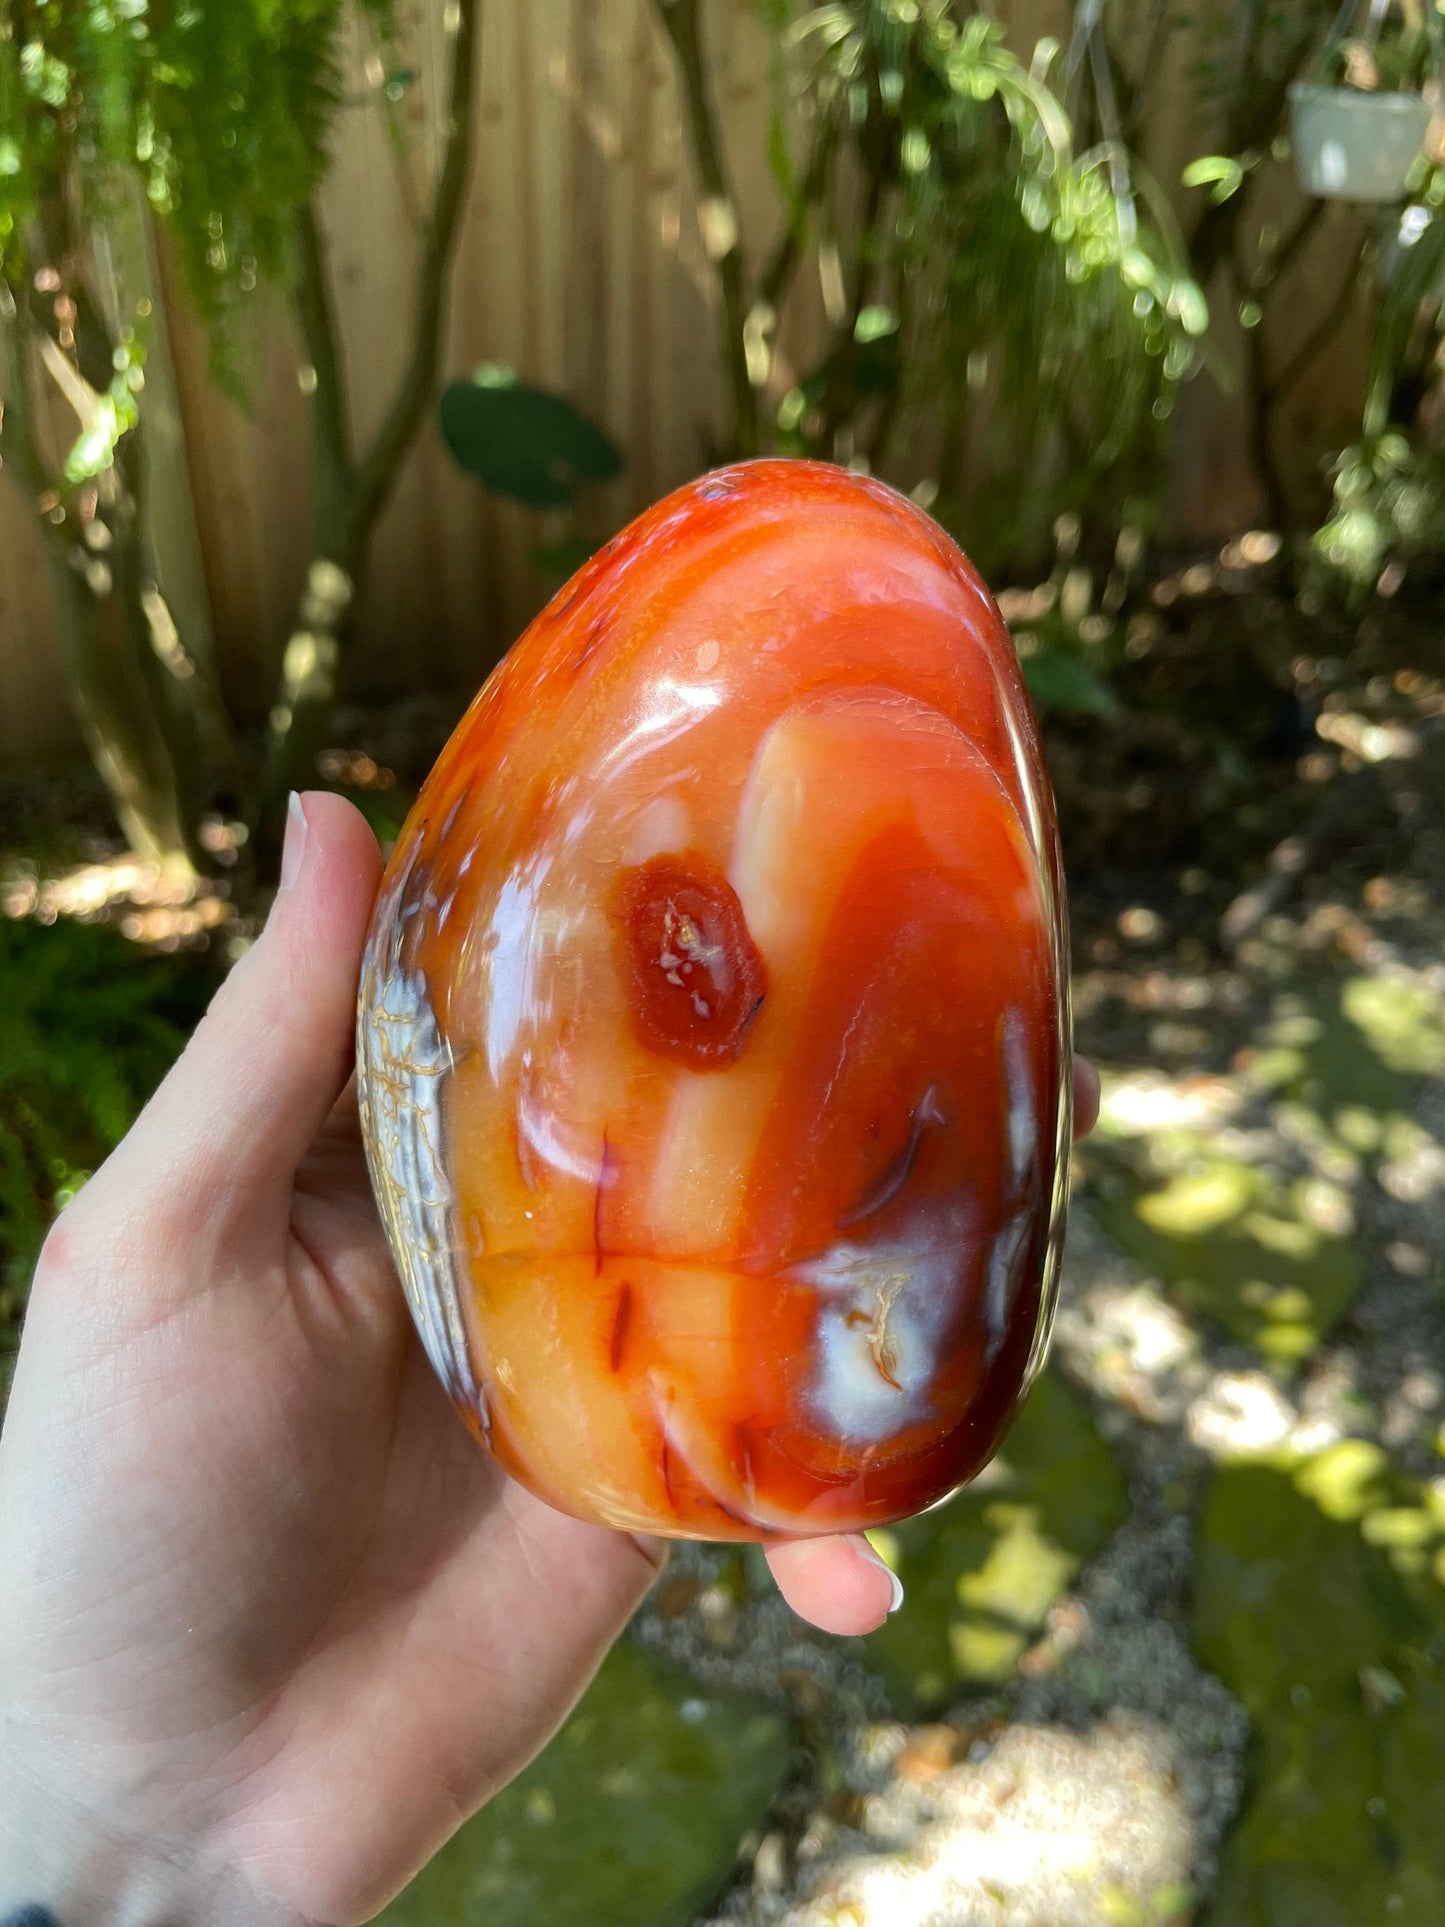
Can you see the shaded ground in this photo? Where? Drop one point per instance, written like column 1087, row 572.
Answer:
column 1180, row 1655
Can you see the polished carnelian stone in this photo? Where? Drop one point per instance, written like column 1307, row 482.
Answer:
column 714, row 1036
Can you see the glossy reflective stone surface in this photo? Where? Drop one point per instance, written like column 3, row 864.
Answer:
column 714, row 1040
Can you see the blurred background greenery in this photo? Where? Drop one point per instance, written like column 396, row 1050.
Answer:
column 335, row 336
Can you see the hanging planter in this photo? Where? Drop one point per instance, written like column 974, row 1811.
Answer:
column 1353, row 146
column 1357, row 126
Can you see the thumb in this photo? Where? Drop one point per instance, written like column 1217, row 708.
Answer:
column 244, row 1102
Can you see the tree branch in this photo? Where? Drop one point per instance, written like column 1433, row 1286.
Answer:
column 352, row 493
column 16, row 426
column 1266, row 391
column 1133, row 85
column 115, row 679
column 377, row 470
column 1270, row 269
column 330, row 436
column 840, row 397
column 776, row 276
column 1250, row 125
column 1318, row 336
column 680, row 22
column 887, row 418
column 1261, row 409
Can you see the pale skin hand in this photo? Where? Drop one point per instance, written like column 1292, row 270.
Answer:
column 271, row 1624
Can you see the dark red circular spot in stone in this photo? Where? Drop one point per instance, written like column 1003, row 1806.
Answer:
column 694, row 977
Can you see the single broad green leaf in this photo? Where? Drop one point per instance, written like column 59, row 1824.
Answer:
column 526, row 443
column 1057, row 679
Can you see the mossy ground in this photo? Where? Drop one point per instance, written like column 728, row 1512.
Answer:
column 982, row 1574
column 1339, row 1658
column 631, row 1817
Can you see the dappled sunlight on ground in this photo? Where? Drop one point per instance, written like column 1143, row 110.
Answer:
column 163, row 907
column 1043, row 1822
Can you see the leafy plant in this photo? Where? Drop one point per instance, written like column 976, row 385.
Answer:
column 1392, row 55
column 1389, row 485
column 222, row 110
column 212, row 118
column 1389, row 502
column 1025, row 302
column 1410, row 311
column 88, row 1026
column 1240, row 59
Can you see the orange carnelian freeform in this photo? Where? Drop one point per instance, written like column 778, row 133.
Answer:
column 714, row 1038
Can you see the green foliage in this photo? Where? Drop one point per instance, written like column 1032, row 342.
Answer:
column 1220, row 173
column 221, row 108
column 1389, row 502
column 1409, row 315
column 1389, row 486
column 995, row 269
column 631, row 1818
column 535, row 447
column 1397, row 57
column 1059, row 679
column 88, row 1026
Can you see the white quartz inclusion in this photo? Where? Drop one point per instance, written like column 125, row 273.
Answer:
column 1018, row 1083
column 883, row 1310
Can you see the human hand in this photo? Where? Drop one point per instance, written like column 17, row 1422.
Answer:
column 271, row 1625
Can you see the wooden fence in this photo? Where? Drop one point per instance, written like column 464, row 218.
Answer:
column 581, row 264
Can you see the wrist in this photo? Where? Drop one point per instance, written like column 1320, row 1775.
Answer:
column 64, row 1865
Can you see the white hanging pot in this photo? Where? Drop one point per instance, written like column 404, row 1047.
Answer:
column 1355, row 146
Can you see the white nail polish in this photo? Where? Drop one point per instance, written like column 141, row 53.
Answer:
column 866, row 1551
column 293, row 849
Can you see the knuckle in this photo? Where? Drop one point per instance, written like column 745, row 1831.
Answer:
column 66, row 1257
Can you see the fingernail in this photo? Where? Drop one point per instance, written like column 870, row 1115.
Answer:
column 865, row 1551
column 293, row 849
